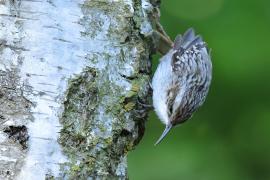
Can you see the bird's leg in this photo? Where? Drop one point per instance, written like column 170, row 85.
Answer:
column 164, row 41
column 144, row 105
column 151, row 93
column 150, row 85
column 140, row 114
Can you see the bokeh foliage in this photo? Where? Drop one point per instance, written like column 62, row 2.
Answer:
column 228, row 138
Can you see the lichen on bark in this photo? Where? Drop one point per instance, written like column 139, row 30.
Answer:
column 86, row 67
column 14, row 115
column 102, row 120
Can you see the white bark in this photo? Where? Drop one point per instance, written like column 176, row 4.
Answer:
column 70, row 74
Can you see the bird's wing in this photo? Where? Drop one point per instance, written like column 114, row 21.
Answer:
column 187, row 40
column 189, row 34
column 181, row 46
column 171, row 94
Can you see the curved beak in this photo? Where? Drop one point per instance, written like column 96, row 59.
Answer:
column 165, row 132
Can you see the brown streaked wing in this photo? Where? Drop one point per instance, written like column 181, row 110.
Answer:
column 171, row 94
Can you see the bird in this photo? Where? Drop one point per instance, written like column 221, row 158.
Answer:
column 181, row 81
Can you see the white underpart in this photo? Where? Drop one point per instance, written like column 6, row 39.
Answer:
column 54, row 53
column 161, row 83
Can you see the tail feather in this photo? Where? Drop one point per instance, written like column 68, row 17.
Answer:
column 178, row 42
column 189, row 35
column 187, row 40
column 196, row 40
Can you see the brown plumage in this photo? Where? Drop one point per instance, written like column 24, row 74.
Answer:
column 181, row 81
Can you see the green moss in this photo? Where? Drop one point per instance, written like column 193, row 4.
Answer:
column 129, row 106
column 75, row 168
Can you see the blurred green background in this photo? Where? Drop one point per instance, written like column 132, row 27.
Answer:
column 228, row 138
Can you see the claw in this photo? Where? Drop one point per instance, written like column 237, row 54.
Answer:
column 144, row 105
column 150, row 85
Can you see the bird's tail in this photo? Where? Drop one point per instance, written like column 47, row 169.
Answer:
column 187, row 40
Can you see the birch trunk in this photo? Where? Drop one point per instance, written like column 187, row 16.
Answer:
column 71, row 72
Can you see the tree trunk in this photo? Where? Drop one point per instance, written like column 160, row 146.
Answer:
column 71, row 75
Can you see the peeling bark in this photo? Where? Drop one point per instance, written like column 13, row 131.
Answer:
column 71, row 73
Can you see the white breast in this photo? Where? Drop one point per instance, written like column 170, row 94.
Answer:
column 161, row 82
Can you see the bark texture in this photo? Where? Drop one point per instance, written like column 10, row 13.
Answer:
column 71, row 73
